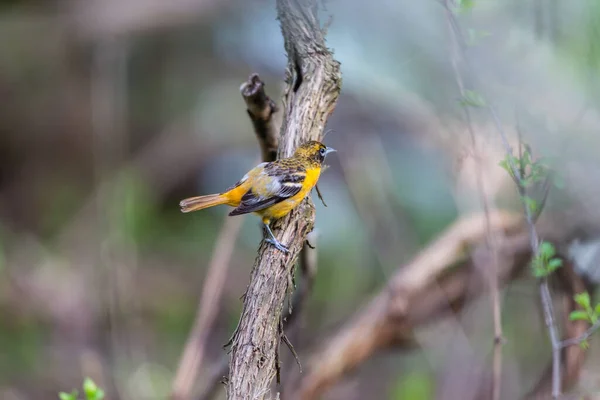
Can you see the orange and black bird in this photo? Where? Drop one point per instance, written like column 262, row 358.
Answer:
column 271, row 189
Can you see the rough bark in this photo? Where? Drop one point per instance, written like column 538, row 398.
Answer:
column 313, row 85
column 260, row 110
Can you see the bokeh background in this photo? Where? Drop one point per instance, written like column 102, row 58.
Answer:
column 112, row 111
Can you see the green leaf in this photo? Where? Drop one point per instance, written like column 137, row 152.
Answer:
column 578, row 315
column 526, row 158
column 546, row 250
column 89, row 386
column 506, row 164
column 554, row 264
column 538, row 172
column 68, row 396
column 539, row 267
column 91, row 389
column 584, row 344
column 597, row 308
column 473, row 99
column 583, row 299
column 539, row 272
column 99, row 394
column 530, row 203
column 465, row 6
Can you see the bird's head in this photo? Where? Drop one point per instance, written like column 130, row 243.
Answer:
column 314, row 151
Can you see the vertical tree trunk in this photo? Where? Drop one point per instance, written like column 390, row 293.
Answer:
column 313, row 86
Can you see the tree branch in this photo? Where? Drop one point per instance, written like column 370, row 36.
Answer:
column 313, row 86
column 584, row 336
column 308, row 269
column 260, row 109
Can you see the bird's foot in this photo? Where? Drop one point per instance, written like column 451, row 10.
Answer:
column 277, row 245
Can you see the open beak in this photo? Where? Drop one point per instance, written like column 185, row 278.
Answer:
column 329, row 150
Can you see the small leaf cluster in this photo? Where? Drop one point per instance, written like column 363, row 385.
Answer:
column 90, row 390
column 586, row 313
column 544, row 262
column 531, row 172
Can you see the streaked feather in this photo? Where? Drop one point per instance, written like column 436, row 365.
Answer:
column 273, row 183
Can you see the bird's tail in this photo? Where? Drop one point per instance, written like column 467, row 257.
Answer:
column 200, row 202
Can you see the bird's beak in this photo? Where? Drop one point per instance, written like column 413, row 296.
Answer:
column 329, row 150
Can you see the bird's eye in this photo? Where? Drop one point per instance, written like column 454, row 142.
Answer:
column 322, row 152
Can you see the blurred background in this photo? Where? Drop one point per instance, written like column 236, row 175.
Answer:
column 113, row 111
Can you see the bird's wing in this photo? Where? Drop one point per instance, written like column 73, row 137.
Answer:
column 273, row 185
column 247, row 176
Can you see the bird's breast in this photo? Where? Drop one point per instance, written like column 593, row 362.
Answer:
column 312, row 176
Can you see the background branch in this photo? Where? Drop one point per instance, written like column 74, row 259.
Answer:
column 195, row 348
column 534, row 239
column 492, row 271
column 434, row 284
column 313, row 86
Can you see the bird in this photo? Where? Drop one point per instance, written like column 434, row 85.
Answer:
column 271, row 189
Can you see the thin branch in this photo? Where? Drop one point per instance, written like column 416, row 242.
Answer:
column 573, row 357
column 544, row 289
column 585, row 336
column 493, row 273
column 313, row 86
column 320, row 195
column 260, row 109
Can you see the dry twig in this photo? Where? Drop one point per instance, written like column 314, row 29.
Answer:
column 313, row 85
